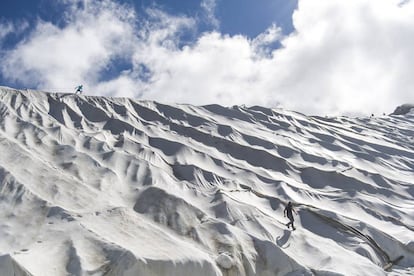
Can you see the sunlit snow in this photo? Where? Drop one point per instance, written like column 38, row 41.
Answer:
column 115, row 186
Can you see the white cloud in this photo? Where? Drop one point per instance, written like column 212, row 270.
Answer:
column 344, row 57
column 164, row 29
column 264, row 40
column 9, row 28
column 5, row 29
column 216, row 69
column 60, row 57
column 353, row 55
column 209, row 7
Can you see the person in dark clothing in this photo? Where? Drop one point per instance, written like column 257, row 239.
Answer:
column 79, row 89
column 289, row 212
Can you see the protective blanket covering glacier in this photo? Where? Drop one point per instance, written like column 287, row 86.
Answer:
column 115, row 186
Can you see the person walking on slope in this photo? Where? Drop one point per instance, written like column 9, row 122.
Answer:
column 79, row 89
column 288, row 211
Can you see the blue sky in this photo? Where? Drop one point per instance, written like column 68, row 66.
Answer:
column 314, row 56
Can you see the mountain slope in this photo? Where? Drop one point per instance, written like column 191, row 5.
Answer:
column 114, row 186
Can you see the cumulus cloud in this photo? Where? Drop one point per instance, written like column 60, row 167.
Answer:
column 216, row 69
column 354, row 56
column 263, row 42
column 344, row 57
column 60, row 57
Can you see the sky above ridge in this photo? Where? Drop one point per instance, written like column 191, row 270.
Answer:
column 321, row 57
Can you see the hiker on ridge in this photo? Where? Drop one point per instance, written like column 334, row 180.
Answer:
column 79, row 89
column 288, row 211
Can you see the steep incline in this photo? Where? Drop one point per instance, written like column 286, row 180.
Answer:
column 114, row 186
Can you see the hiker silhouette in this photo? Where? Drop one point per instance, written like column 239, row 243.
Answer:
column 289, row 212
column 79, row 89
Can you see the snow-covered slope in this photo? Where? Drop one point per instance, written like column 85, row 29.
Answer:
column 403, row 109
column 110, row 186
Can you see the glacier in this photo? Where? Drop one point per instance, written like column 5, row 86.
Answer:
column 116, row 186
